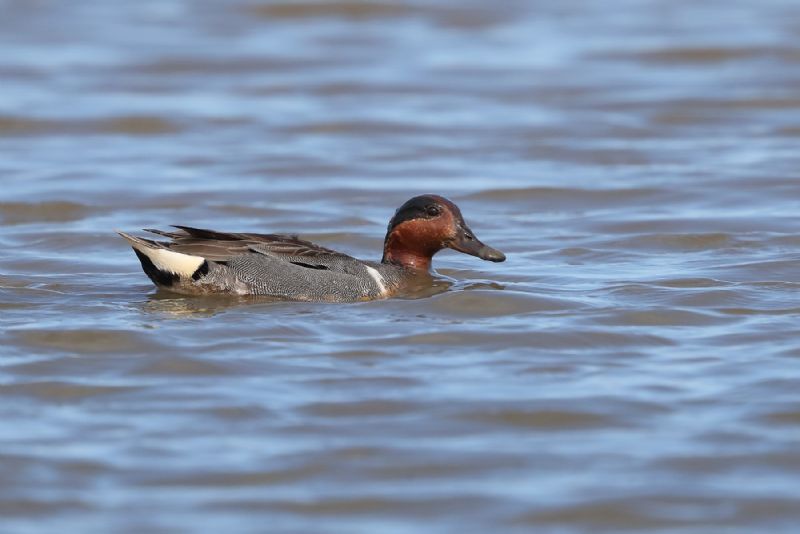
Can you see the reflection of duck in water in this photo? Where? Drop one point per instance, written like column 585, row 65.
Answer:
column 197, row 261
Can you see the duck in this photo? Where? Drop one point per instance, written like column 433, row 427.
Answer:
column 196, row 261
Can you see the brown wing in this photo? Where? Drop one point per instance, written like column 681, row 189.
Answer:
column 221, row 246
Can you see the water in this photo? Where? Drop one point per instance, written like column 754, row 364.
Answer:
column 631, row 367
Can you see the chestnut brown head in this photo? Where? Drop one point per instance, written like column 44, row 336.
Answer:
column 425, row 225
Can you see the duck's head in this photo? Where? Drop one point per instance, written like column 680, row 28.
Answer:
column 425, row 225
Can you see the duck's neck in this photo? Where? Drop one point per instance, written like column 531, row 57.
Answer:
column 401, row 251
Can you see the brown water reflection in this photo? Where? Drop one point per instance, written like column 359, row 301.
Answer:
column 631, row 367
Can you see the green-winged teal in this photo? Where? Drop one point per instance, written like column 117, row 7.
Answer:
column 196, row 261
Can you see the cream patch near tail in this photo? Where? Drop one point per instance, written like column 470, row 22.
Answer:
column 164, row 259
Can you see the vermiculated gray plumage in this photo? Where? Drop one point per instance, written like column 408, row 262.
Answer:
column 277, row 265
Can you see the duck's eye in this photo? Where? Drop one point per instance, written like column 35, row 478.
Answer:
column 433, row 211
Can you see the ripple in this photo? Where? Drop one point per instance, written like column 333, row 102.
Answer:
column 568, row 197
column 11, row 507
column 421, row 466
column 545, row 419
column 123, row 125
column 58, row 391
column 662, row 317
column 365, row 408
column 181, row 66
column 428, row 506
column 242, row 479
column 52, row 211
column 368, row 382
column 248, row 414
column 784, row 270
column 86, row 341
column 354, row 128
column 589, row 339
column 339, row 8
column 677, row 242
column 690, row 283
column 720, row 463
column 483, row 303
column 782, row 417
column 701, row 55
column 665, row 511
column 183, row 366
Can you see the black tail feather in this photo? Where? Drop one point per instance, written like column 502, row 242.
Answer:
column 159, row 277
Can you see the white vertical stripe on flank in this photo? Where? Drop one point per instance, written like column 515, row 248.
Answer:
column 377, row 277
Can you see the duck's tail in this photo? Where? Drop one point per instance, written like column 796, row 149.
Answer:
column 164, row 267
